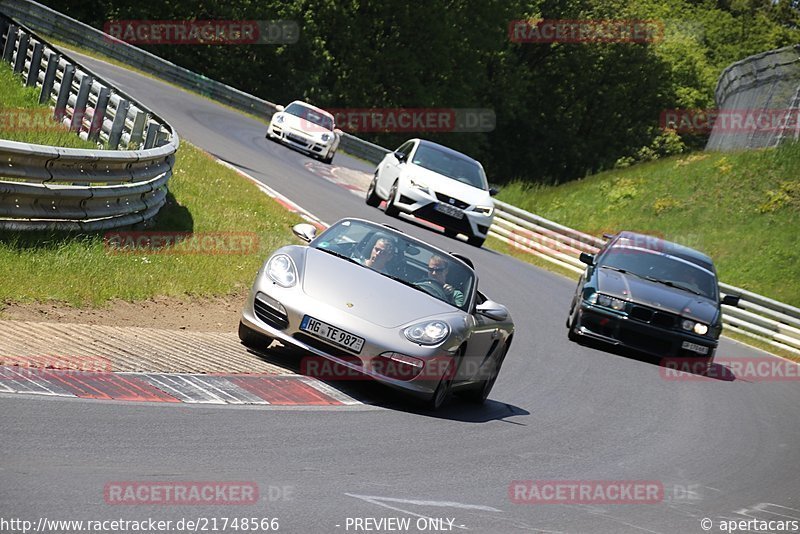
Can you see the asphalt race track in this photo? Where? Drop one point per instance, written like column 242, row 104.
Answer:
column 723, row 449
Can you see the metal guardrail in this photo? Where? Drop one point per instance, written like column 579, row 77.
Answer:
column 756, row 316
column 766, row 81
column 52, row 188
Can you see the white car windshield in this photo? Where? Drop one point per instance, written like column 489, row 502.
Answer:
column 312, row 116
column 394, row 255
column 450, row 165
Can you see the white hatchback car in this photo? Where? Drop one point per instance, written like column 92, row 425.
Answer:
column 437, row 184
column 307, row 128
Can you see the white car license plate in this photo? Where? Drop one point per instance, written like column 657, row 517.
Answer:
column 332, row 334
column 694, row 347
column 449, row 210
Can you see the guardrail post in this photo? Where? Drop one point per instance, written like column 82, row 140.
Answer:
column 80, row 103
column 4, row 24
column 36, row 65
column 63, row 92
column 22, row 53
column 137, row 132
column 152, row 134
column 118, row 125
column 11, row 41
column 99, row 114
column 49, row 78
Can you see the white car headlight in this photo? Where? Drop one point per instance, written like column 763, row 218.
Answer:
column 279, row 119
column 485, row 210
column 282, row 271
column 428, row 333
column 325, row 137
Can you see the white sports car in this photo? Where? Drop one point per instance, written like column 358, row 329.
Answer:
column 307, row 128
column 437, row 184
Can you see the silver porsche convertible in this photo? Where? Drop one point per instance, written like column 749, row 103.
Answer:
column 384, row 305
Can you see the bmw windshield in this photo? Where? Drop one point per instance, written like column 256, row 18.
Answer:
column 662, row 268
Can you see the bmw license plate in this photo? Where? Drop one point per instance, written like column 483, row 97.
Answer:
column 694, row 347
column 332, row 334
column 449, row 210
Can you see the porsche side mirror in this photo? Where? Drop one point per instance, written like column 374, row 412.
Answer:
column 492, row 310
column 730, row 300
column 279, row 108
column 305, row 231
column 587, row 258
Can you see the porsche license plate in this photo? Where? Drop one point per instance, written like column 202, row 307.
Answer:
column 694, row 347
column 332, row 334
column 449, row 210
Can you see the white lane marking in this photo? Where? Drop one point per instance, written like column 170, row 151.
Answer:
column 382, row 501
column 330, row 391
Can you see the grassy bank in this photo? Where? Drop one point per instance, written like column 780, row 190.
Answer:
column 205, row 198
column 743, row 209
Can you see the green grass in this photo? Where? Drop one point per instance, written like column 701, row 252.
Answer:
column 23, row 119
column 743, row 209
column 82, row 269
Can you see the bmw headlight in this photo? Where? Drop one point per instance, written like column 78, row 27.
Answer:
column 428, row 333
column 484, row 210
column 697, row 328
column 610, row 302
column 282, row 271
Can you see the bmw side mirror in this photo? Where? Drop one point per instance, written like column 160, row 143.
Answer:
column 305, row 231
column 587, row 258
column 730, row 300
column 492, row 310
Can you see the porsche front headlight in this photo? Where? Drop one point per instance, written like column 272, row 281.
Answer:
column 282, row 271
column 428, row 332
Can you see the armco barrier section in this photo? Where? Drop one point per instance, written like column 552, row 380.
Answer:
column 53, row 188
column 767, row 81
column 755, row 316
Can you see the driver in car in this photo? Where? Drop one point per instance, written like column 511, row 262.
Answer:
column 381, row 254
column 437, row 271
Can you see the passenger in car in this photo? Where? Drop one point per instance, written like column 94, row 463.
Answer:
column 438, row 269
column 381, row 254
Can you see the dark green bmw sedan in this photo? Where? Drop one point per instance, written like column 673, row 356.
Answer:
column 651, row 295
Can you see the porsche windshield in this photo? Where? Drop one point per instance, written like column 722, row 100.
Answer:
column 312, row 116
column 408, row 262
column 663, row 268
column 453, row 166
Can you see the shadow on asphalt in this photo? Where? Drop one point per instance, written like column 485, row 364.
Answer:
column 368, row 391
column 671, row 369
